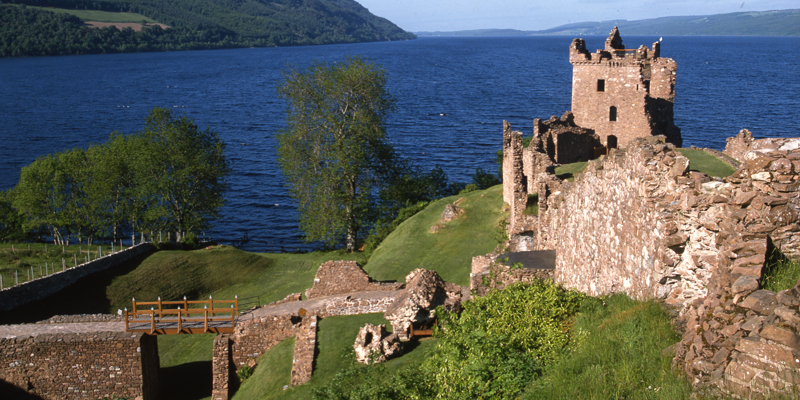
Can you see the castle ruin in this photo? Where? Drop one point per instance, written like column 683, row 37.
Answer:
column 639, row 221
column 623, row 94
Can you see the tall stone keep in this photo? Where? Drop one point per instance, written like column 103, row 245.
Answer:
column 622, row 93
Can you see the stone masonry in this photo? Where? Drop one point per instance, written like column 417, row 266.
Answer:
column 80, row 365
column 638, row 221
column 622, row 94
column 341, row 277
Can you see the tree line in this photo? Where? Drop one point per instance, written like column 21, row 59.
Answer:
column 170, row 176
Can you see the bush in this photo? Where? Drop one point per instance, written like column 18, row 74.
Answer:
column 469, row 188
column 244, row 373
column 191, row 241
column 484, row 180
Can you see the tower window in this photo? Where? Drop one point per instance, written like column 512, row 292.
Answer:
column 612, row 113
column 601, row 85
column 647, row 86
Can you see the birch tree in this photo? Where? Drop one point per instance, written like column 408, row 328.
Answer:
column 333, row 151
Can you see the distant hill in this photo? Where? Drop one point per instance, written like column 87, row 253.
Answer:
column 765, row 23
column 194, row 24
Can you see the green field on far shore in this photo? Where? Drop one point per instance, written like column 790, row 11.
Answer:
column 101, row 16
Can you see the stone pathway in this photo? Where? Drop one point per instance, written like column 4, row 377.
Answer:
column 33, row 330
column 316, row 304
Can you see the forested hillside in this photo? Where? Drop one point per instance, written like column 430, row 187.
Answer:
column 194, row 24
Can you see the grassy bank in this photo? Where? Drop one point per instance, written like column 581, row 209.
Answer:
column 617, row 355
column 449, row 251
column 707, row 163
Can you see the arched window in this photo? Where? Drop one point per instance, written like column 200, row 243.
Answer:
column 612, row 113
column 611, row 142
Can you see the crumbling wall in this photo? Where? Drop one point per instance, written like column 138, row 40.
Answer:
column 425, row 291
column 342, row 277
column 563, row 141
column 40, row 288
column 637, row 221
column 81, row 365
column 609, row 226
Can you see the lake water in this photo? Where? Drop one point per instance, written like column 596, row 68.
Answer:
column 452, row 97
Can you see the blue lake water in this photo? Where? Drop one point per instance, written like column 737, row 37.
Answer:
column 452, row 96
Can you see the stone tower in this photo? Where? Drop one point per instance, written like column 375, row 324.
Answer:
column 622, row 93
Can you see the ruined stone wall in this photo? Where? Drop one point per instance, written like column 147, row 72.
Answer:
column 608, row 226
column 82, row 366
column 356, row 305
column 40, row 288
column 515, row 191
column 341, row 277
column 563, row 141
column 487, row 274
column 639, row 222
column 304, row 347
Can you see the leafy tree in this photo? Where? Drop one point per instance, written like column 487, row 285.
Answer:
column 41, row 195
column 180, row 173
column 11, row 221
column 333, row 151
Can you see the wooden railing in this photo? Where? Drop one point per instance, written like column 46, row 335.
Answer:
column 164, row 319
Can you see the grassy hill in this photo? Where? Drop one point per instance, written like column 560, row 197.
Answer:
column 449, row 251
column 765, row 23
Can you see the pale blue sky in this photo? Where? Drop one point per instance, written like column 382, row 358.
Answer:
column 451, row 15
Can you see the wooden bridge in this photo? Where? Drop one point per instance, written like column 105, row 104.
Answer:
column 188, row 318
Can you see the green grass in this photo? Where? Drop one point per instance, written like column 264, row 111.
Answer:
column 20, row 257
column 568, row 171
column 532, row 206
column 449, row 252
column 617, row 355
column 781, row 275
column 221, row 272
column 185, row 357
column 709, row 164
column 335, row 338
column 101, row 16
column 271, row 375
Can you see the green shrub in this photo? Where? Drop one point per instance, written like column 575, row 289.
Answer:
column 484, row 179
column 244, row 373
column 191, row 241
column 781, row 274
column 469, row 188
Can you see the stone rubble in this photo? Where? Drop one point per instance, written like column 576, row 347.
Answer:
column 374, row 345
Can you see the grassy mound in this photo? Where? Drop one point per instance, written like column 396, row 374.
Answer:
column 448, row 251
column 617, row 355
column 707, row 163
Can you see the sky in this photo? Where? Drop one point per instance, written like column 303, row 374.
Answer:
column 453, row 15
